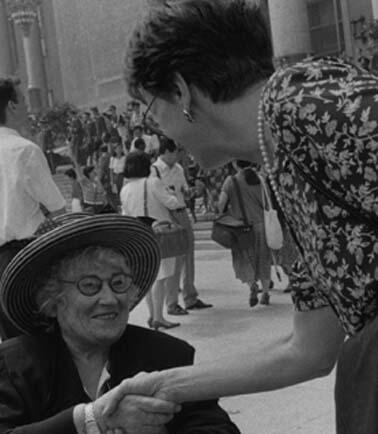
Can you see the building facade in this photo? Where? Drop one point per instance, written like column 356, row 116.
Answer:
column 72, row 51
column 68, row 51
column 321, row 27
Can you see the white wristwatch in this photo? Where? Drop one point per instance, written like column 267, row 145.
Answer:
column 91, row 425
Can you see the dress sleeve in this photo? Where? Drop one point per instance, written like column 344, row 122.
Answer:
column 322, row 115
column 17, row 416
column 304, row 290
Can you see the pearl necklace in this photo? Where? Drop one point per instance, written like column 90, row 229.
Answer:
column 264, row 152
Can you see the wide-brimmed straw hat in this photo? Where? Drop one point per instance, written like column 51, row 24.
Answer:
column 130, row 236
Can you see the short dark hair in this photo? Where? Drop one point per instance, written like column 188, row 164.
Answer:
column 243, row 164
column 166, row 144
column 140, row 144
column 138, row 127
column 222, row 47
column 249, row 172
column 137, row 165
column 8, row 92
column 71, row 173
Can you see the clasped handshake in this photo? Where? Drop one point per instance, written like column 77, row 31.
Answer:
column 137, row 405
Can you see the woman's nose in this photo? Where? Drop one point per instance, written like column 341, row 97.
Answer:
column 106, row 294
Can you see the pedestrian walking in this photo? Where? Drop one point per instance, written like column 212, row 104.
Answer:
column 94, row 194
column 117, row 168
column 253, row 262
column 313, row 125
column 146, row 196
column 171, row 174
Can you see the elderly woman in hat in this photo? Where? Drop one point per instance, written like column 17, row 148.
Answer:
column 70, row 292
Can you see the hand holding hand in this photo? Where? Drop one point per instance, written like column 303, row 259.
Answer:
column 147, row 384
column 141, row 415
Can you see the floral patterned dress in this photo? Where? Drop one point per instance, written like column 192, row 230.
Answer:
column 323, row 117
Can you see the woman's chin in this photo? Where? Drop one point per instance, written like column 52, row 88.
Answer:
column 109, row 333
column 109, row 337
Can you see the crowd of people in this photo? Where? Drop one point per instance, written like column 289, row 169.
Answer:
column 69, row 282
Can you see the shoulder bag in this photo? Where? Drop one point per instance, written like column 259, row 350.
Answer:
column 172, row 237
column 229, row 231
column 273, row 229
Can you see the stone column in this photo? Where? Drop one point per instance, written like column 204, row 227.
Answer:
column 374, row 4
column 6, row 66
column 348, row 37
column 290, row 29
column 25, row 15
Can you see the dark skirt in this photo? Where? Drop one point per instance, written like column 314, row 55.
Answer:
column 253, row 263
column 118, row 180
column 356, row 391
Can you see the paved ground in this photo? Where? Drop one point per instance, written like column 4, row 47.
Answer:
column 231, row 325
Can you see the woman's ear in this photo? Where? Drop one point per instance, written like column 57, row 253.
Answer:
column 51, row 310
column 182, row 93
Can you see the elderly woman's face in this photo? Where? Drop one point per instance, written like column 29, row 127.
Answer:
column 93, row 320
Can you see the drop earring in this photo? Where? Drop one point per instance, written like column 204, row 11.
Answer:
column 188, row 116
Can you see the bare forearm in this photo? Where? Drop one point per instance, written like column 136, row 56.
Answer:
column 276, row 366
column 311, row 351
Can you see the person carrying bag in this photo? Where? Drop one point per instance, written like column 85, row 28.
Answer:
column 251, row 257
column 172, row 237
column 229, row 231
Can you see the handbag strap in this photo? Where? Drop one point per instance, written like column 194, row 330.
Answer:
column 266, row 199
column 145, row 204
column 359, row 215
column 240, row 200
column 157, row 171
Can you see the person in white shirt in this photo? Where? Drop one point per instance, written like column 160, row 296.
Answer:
column 172, row 175
column 136, row 117
column 143, row 196
column 26, row 182
column 117, row 167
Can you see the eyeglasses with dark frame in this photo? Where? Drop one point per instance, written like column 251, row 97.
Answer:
column 119, row 283
column 148, row 109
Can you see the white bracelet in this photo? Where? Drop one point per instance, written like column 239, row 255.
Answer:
column 91, row 425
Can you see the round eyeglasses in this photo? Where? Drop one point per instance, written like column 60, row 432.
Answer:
column 91, row 285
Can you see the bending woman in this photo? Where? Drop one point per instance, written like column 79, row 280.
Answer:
column 315, row 123
column 146, row 196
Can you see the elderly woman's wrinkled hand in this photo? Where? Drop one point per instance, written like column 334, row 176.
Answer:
column 142, row 415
